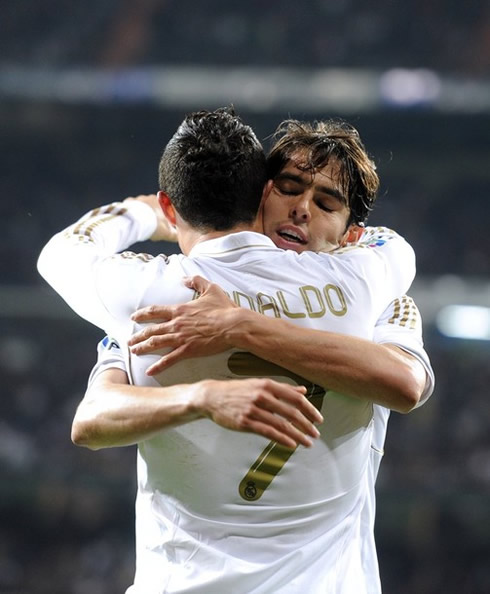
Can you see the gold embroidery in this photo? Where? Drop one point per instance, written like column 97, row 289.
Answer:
column 405, row 313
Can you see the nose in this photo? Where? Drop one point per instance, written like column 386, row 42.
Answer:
column 300, row 211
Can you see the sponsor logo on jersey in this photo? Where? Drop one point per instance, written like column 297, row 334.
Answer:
column 109, row 343
column 377, row 243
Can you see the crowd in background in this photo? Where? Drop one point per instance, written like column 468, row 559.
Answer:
column 66, row 514
column 447, row 36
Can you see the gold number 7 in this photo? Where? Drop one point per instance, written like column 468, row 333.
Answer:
column 274, row 456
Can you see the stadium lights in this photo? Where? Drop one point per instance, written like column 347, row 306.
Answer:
column 464, row 321
column 408, row 88
column 259, row 89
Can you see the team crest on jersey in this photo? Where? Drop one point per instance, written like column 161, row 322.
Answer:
column 250, row 490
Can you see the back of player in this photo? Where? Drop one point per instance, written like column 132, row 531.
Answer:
column 205, row 493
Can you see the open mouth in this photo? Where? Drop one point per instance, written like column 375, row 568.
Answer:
column 291, row 236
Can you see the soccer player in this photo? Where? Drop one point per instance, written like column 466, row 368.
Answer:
column 400, row 326
column 213, row 322
column 205, row 325
column 222, row 511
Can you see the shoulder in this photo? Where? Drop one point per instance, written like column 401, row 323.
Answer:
column 377, row 239
column 122, row 279
column 379, row 249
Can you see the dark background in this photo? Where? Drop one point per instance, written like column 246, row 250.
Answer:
column 66, row 514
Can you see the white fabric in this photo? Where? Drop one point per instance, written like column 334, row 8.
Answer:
column 400, row 325
column 109, row 356
column 203, row 523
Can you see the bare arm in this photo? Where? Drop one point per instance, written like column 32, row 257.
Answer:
column 383, row 374
column 113, row 413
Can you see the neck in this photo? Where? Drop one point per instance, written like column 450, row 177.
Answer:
column 189, row 236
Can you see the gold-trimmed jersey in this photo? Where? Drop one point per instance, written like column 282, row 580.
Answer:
column 393, row 328
column 399, row 325
column 223, row 511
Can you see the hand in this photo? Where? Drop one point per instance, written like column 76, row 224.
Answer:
column 191, row 329
column 352, row 235
column 164, row 231
column 278, row 411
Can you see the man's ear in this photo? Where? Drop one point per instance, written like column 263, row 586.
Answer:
column 167, row 208
column 352, row 235
column 267, row 189
column 265, row 194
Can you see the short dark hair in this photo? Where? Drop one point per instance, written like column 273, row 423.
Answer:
column 317, row 143
column 214, row 170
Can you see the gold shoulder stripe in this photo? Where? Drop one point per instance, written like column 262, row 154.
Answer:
column 135, row 256
column 86, row 227
column 405, row 313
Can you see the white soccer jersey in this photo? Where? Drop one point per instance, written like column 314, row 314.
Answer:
column 109, row 356
column 400, row 325
column 221, row 511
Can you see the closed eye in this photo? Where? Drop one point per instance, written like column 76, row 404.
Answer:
column 324, row 207
column 289, row 189
column 328, row 205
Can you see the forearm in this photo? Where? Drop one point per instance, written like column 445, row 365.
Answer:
column 116, row 414
column 113, row 413
column 353, row 366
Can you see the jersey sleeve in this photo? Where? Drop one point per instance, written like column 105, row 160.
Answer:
column 74, row 261
column 385, row 263
column 109, row 356
column 401, row 325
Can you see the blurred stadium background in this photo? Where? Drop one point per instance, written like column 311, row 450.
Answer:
column 89, row 94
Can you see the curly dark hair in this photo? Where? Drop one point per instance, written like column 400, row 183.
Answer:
column 214, row 170
column 321, row 141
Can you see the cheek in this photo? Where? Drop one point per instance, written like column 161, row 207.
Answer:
column 325, row 237
column 334, row 230
column 273, row 211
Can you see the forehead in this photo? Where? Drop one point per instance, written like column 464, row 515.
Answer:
column 327, row 174
column 301, row 161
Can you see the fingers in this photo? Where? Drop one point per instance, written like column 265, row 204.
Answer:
column 157, row 367
column 198, row 283
column 167, row 360
column 300, row 403
column 152, row 337
column 142, row 198
column 280, row 436
column 152, row 313
column 272, row 416
column 284, row 432
column 149, row 345
column 298, row 422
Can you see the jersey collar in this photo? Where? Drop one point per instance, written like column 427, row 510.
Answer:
column 243, row 240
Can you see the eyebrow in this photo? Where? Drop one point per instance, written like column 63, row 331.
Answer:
column 330, row 191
